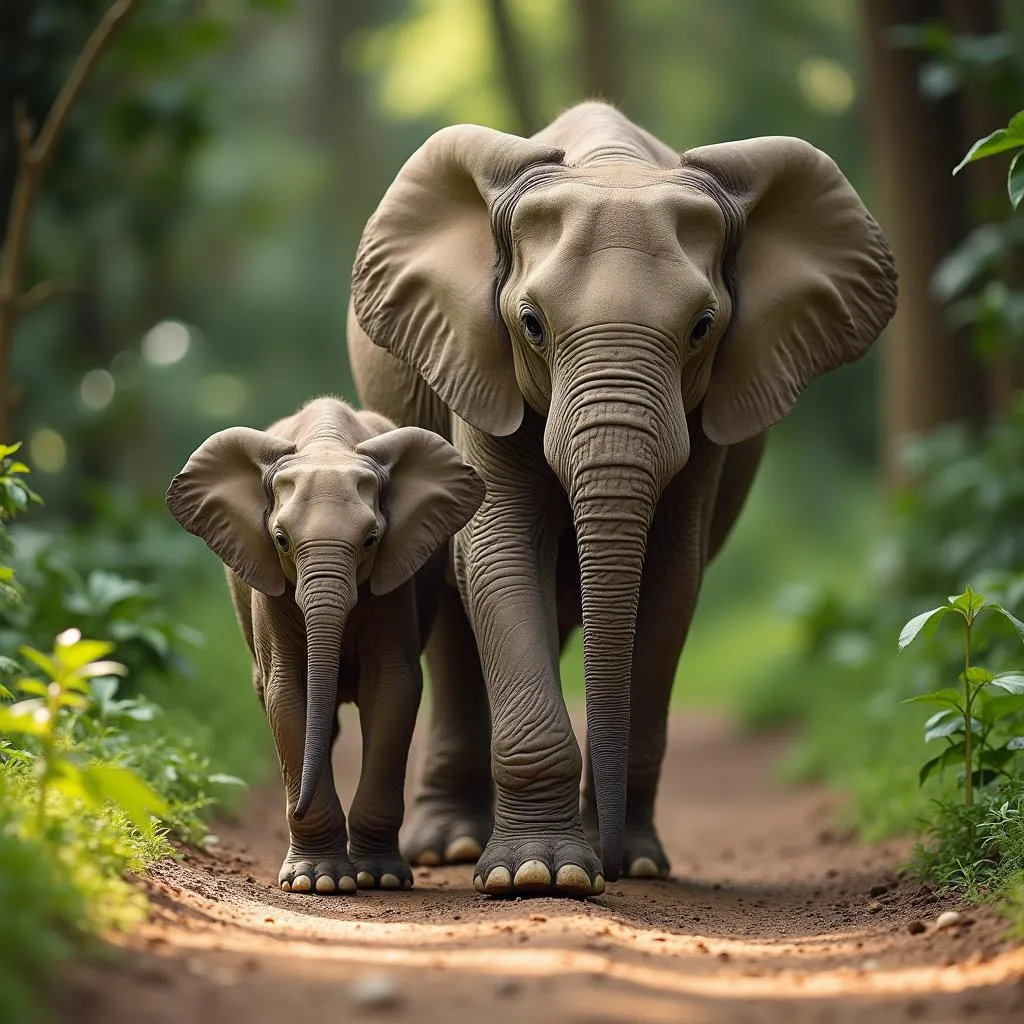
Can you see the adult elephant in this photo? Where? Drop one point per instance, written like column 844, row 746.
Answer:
column 605, row 329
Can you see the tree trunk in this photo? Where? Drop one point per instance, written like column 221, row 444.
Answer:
column 598, row 53
column 517, row 80
column 930, row 374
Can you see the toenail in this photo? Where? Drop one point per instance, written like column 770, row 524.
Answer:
column 572, row 876
column 302, row 883
column 429, row 859
column 498, row 880
column 365, row 880
column 462, row 849
column 325, row 884
column 531, row 874
column 390, row 881
column 644, row 867
column 286, row 885
column 478, row 883
column 599, row 884
column 347, row 884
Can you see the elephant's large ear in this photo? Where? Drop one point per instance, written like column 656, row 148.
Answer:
column 422, row 285
column 431, row 494
column 815, row 280
column 219, row 496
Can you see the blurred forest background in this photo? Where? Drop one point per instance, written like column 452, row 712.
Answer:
column 201, row 214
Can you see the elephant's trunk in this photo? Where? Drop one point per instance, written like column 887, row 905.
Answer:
column 326, row 597
column 614, row 444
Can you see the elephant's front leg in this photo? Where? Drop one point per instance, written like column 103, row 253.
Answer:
column 317, row 858
column 390, row 686
column 506, row 559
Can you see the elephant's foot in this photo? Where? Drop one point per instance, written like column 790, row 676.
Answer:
column 446, row 830
column 642, row 853
column 382, row 871
column 556, row 864
column 317, row 875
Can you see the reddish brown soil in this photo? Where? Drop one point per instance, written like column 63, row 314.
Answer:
column 772, row 914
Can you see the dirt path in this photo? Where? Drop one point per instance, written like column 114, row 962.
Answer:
column 771, row 915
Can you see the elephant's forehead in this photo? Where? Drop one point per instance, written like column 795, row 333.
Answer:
column 650, row 210
column 330, row 476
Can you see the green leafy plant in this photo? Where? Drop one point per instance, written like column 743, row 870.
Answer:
column 1003, row 140
column 46, row 716
column 15, row 496
column 970, row 716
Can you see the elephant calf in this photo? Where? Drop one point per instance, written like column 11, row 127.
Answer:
column 332, row 524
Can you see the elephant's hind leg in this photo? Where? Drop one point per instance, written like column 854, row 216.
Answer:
column 450, row 819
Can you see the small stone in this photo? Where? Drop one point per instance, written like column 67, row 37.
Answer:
column 375, row 992
column 878, row 890
column 507, row 986
column 916, row 927
column 947, row 919
column 537, row 917
column 251, row 879
column 874, row 907
column 723, row 956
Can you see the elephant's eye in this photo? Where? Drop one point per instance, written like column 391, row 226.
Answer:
column 281, row 540
column 702, row 328
column 532, row 326
column 371, row 539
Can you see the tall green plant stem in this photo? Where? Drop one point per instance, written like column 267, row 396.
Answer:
column 968, row 719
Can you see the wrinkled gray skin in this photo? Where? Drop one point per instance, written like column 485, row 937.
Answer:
column 605, row 329
column 323, row 521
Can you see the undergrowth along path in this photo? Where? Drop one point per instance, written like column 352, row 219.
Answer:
column 772, row 914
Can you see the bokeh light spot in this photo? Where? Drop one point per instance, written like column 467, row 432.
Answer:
column 826, row 85
column 96, row 390
column 220, row 394
column 47, row 450
column 166, row 343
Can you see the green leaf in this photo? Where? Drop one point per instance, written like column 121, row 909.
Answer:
column 954, row 724
column 39, row 659
column 125, row 789
column 1010, row 618
column 9, row 449
column 953, row 754
column 26, row 718
column 84, row 651
column 996, row 707
column 33, row 686
column 977, row 676
column 5, row 694
column 1012, row 682
column 969, row 602
column 226, row 780
column 102, row 668
column 995, row 757
column 947, row 698
column 1000, row 141
column 930, row 619
column 1015, row 181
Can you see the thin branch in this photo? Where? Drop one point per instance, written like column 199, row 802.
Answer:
column 87, row 59
column 33, row 156
column 46, row 290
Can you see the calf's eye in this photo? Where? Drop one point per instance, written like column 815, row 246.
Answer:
column 281, row 540
column 371, row 539
column 702, row 328
column 532, row 327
